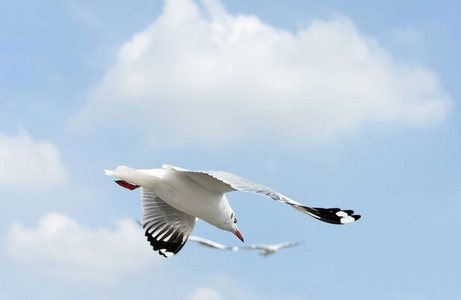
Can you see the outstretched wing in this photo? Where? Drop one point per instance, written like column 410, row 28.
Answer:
column 225, row 182
column 288, row 244
column 211, row 244
column 256, row 247
column 167, row 228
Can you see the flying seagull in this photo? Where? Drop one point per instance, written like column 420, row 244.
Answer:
column 174, row 198
column 265, row 249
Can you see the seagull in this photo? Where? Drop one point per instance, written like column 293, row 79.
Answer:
column 211, row 244
column 270, row 249
column 266, row 249
column 173, row 199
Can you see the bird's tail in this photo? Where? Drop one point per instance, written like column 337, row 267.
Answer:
column 127, row 174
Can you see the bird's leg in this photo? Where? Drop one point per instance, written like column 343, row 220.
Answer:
column 126, row 185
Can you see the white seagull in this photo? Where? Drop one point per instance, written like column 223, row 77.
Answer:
column 270, row 249
column 173, row 198
column 266, row 249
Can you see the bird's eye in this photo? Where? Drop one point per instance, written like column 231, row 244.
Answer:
column 235, row 219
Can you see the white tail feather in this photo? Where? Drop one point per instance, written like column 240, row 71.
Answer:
column 134, row 176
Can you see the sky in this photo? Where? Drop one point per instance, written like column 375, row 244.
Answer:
column 331, row 103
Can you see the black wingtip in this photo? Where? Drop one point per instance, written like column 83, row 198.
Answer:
column 166, row 248
column 330, row 215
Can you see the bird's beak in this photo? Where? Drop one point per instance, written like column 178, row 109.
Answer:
column 237, row 233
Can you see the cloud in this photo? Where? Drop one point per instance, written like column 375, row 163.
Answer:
column 199, row 75
column 222, row 286
column 60, row 247
column 204, row 293
column 28, row 164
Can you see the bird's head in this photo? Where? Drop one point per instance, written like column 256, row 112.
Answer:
column 231, row 225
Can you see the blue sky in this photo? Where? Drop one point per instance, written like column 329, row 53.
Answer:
column 330, row 103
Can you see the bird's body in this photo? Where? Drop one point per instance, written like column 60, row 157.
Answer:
column 177, row 190
column 173, row 198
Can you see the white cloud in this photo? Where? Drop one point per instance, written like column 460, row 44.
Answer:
column 60, row 247
column 204, row 293
column 28, row 164
column 222, row 286
column 200, row 75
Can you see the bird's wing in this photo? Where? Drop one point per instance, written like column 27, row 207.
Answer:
column 288, row 244
column 256, row 247
column 211, row 244
column 205, row 179
column 227, row 182
column 167, row 228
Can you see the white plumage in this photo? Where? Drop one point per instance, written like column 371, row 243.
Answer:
column 173, row 198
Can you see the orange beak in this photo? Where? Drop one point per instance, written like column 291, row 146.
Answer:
column 237, row 233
